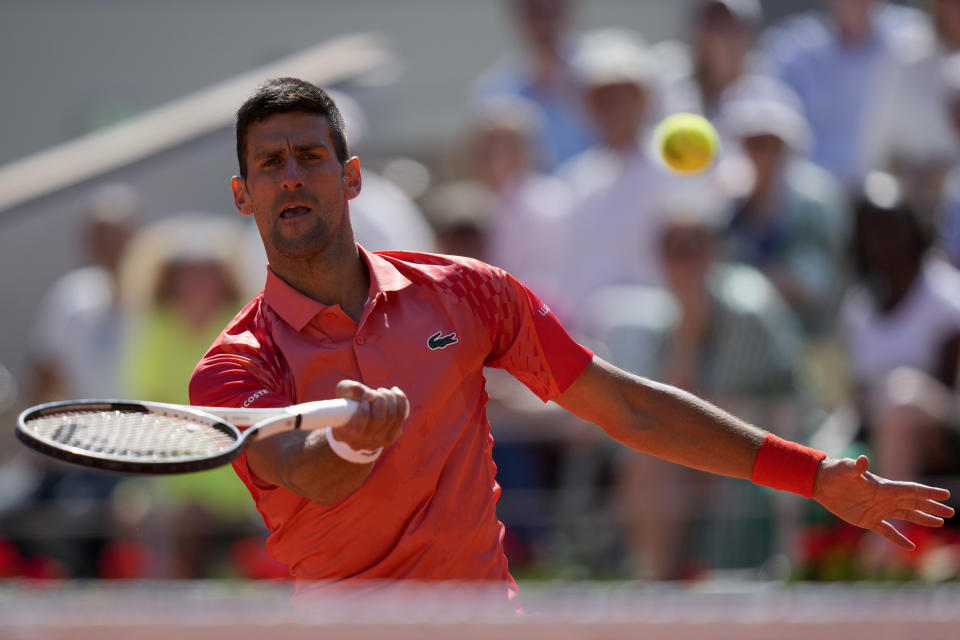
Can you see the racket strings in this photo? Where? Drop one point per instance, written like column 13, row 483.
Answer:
column 136, row 435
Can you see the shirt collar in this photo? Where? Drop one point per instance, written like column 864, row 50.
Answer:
column 384, row 276
column 297, row 309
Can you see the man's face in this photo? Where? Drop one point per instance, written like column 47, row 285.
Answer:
column 617, row 111
column 106, row 241
column 296, row 188
column 499, row 154
column 687, row 255
column 852, row 17
column 543, row 21
column 766, row 153
column 721, row 43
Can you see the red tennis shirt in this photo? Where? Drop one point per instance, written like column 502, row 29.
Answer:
column 427, row 510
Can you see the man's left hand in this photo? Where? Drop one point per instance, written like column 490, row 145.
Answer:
column 849, row 491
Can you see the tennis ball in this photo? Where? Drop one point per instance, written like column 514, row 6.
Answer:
column 686, row 142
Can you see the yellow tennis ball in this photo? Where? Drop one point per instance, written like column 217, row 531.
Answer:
column 687, row 142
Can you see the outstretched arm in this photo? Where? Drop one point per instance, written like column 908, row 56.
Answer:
column 675, row 425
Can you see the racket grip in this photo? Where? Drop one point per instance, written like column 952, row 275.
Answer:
column 324, row 413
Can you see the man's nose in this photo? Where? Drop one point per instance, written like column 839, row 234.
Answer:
column 292, row 177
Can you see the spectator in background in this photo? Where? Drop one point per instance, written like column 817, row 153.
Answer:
column 719, row 330
column 185, row 286
column 613, row 228
column 843, row 65
column 544, row 76
column 948, row 209
column 530, row 208
column 183, row 269
column 903, row 313
column 78, row 338
column 459, row 213
column 792, row 224
column 76, row 351
column 384, row 216
column 921, row 142
column 724, row 32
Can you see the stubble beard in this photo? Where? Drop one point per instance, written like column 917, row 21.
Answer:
column 305, row 244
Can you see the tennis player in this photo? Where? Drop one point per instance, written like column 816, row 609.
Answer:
column 406, row 490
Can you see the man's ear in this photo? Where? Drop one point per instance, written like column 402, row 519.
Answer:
column 240, row 196
column 352, row 180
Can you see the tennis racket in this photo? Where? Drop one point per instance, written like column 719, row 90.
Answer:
column 158, row 438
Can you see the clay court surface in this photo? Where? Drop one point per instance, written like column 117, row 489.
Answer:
column 742, row 610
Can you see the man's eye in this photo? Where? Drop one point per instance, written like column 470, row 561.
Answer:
column 270, row 162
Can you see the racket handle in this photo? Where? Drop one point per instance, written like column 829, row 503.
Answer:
column 324, row 413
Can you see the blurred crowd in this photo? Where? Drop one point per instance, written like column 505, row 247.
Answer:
column 808, row 281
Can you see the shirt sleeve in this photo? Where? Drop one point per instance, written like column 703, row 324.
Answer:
column 532, row 345
column 238, row 372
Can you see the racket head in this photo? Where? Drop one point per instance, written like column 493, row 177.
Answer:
column 129, row 437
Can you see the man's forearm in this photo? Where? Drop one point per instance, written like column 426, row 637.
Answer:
column 664, row 421
column 681, row 427
column 304, row 463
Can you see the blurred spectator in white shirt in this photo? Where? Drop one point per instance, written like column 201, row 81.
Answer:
column 921, row 142
column 844, row 65
column 77, row 340
column 948, row 208
column 612, row 234
column 902, row 314
column 530, row 208
column 543, row 75
column 723, row 35
column 792, row 224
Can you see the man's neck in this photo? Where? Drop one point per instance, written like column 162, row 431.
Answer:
column 334, row 277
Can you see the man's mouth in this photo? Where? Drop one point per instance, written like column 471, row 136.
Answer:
column 294, row 210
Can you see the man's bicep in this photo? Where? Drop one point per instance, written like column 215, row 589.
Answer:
column 606, row 396
column 227, row 380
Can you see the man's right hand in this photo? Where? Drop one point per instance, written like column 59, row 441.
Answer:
column 378, row 421
column 300, row 460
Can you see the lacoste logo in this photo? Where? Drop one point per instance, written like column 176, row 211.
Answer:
column 249, row 401
column 439, row 341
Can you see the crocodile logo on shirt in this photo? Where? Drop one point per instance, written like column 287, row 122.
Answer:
column 440, row 341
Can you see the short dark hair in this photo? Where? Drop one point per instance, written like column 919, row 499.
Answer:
column 288, row 95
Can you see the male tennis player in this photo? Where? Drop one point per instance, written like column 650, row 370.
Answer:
column 406, row 489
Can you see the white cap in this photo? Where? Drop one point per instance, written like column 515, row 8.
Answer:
column 614, row 56
column 759, row 105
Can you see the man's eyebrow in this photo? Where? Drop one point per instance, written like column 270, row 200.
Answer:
column 272, row 149
column 309, row 146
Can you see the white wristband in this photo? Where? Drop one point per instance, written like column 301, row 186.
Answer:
column 348, row 453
